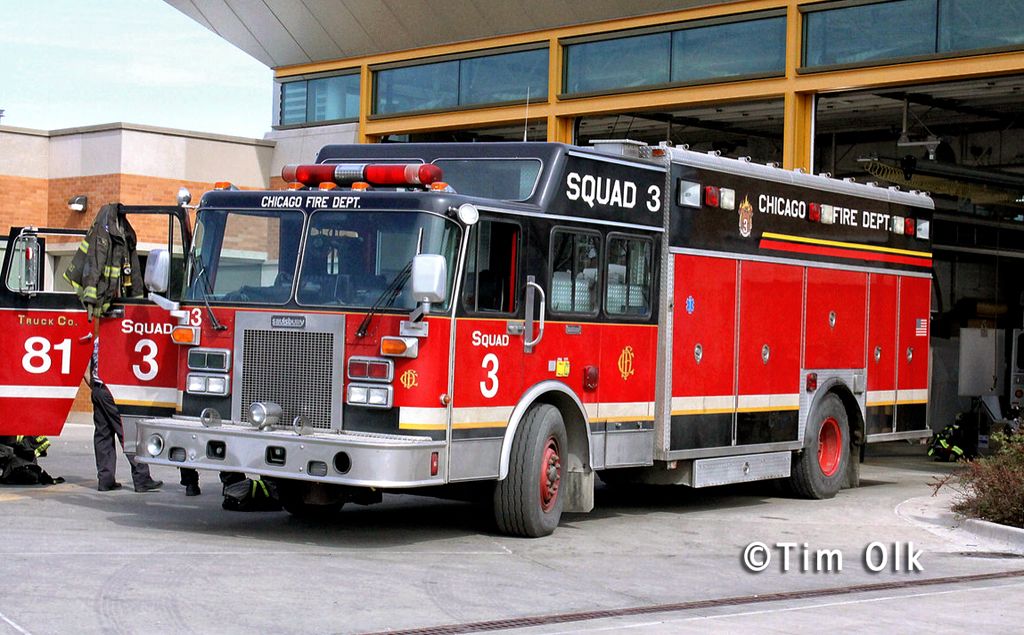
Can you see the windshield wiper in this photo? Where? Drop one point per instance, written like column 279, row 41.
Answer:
column 206, row 287
column 387, row 297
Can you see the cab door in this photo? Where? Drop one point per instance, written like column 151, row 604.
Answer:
column 46, row 338
column 138, row 361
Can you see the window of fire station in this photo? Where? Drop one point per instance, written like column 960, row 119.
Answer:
column 466, row 82
column 860, row 33
column 320, row 100
column 696, row 51
column 245, row 256
column 629, row 277
column 574, row 271
column 492, row 268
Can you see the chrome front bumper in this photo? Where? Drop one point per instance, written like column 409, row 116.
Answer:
column 372, row 460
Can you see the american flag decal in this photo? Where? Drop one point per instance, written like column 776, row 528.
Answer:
column 921, row 327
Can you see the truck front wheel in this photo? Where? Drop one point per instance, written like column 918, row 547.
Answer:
column 818, row 470
column 528, row 501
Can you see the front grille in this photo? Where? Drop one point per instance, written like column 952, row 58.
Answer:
column 292, row 369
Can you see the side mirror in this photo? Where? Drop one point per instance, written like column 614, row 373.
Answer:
column 429, row 279
column 158, row 270
column 24, row 276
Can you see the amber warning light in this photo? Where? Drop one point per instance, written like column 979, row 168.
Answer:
column 397, row 174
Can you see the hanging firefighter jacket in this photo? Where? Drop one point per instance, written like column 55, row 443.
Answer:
column 106, row 266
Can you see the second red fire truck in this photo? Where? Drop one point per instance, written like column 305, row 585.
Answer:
column 527, row 316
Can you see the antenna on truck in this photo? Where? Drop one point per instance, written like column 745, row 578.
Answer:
column 526, row 120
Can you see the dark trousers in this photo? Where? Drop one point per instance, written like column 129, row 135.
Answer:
column 109, row 433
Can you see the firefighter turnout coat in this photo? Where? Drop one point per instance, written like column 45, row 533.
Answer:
column 106, row 265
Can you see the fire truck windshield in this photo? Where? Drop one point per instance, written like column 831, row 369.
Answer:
column 342, row 258
column 350, row 258
column 244, row 256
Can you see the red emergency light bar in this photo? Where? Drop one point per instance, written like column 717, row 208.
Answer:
column 395, row 174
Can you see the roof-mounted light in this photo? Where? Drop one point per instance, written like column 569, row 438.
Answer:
column 395, row 174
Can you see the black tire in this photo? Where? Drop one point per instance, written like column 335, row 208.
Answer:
column 520, row 508
column 820, row 468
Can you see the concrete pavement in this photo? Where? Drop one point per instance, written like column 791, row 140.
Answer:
column 75, row 560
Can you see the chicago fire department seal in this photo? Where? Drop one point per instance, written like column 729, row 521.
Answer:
column 626, row 362
column 408, row 379
column 746, row 218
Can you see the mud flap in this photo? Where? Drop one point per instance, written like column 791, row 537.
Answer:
column 578, row 490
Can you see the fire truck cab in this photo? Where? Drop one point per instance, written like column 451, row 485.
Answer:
column 525, row 316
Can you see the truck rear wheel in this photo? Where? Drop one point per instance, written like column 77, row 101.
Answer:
column 528, row 501
column 818, row 470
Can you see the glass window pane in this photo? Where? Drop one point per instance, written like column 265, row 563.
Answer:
column 974, row 24
column 724, row 50
column 869, row 32
column 293, row 103
column 621, row 63
column 507, row 77
column 491, row 268
column 629, row 277
column 333, row 98
column 424, row 87
column 245, row 256
column 505, row 179
column 574, row 267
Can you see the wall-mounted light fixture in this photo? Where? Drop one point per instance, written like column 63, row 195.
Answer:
column 78, row 203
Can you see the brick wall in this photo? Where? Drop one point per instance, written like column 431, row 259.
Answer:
column 23, row 201
column 129, row 189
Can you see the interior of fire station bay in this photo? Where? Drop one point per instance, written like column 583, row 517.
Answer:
column 923, row 95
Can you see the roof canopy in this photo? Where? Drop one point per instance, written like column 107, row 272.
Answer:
column 286, row 32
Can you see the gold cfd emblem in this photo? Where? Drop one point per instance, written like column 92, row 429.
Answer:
column 626, row 362
column 408, row 379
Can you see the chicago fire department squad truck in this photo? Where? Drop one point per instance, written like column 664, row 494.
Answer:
column 525, row 316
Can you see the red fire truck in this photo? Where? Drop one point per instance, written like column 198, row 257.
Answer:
column 517, row 318
column 48, row 337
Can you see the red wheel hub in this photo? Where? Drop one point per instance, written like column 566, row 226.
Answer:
column 550, row 474
column 830, row 446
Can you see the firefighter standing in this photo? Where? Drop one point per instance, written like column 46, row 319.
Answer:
column 109, row 428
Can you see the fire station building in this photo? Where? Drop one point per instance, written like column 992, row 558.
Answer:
column 916, row 94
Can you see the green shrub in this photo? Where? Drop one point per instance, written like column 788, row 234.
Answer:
column 992, row 488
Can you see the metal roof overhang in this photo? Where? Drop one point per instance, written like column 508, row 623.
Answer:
column 287, row 32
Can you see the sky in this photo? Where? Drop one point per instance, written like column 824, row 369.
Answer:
column 70, row 63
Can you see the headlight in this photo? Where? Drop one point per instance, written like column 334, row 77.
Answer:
column 378, row 397
column 196, row 383
column 357, row 394
column 208, row 384
column 373, row 396
column 217, row 385
column 155, row 445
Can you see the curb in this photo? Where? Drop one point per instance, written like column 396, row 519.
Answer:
column 933, row 514
column 995, row 531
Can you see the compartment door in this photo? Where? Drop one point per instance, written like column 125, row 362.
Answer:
column 882, row 353
column 138, row 360
column 46, row 336
column 768, row 403
column 912, row 362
